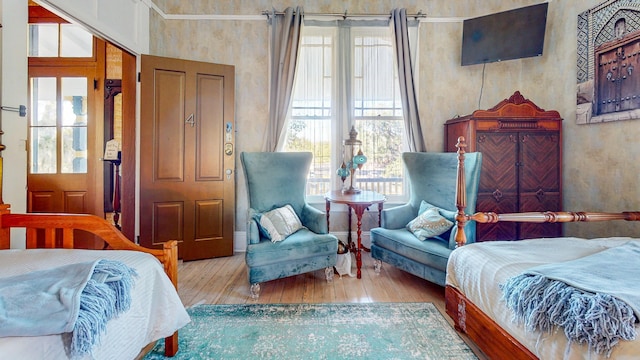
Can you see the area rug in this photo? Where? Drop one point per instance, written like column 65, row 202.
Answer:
column 317, row 331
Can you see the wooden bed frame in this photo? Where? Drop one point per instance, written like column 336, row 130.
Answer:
column 55, row 224
column 494, row 341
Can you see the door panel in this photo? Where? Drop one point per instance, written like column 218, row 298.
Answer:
column 540, row 155
column 498, row 183
column 499, row 203
column 41, row 201
column 185, row 193
column 608, row 82
column 629, row 85
column 75, row 201
column 498, row 161
column 209, row 219
column 210, row 120
column 167, row 221
column 539, row 182
column 168, row 126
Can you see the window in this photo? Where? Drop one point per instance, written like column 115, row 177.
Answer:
column 53, row 127
column 59, row 40
column 61, row 70
column 346, row 77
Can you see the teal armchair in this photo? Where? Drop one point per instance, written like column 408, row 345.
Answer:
column 276, row 179
column 432, row 178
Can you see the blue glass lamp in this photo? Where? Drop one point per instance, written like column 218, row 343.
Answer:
column 351, row 161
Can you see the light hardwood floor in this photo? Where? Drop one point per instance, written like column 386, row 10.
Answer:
column 224, row 281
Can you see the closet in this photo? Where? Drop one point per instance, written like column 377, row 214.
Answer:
column 521, row 146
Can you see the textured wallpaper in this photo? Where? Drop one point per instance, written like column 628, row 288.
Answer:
column 599, row 171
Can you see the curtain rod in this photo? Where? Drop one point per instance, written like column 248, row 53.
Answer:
column 345, row 15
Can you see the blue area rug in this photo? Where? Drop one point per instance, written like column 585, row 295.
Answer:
column 317, row 331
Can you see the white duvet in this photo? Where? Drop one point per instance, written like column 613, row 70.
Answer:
column 156, row 310
column 476, row 270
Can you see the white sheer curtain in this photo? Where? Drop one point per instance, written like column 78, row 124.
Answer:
column 285, row 39
column 406, row 77
column 347, row 76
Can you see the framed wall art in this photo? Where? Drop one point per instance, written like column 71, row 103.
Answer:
column 608, row 62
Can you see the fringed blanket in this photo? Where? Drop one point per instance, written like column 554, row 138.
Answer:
column 77, row 298
column 595, row 299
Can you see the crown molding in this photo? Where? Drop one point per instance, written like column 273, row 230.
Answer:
column 152, row 5
column 165, row 16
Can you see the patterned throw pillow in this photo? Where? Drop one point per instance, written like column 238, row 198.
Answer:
column 429, row 224
column 448, row 214
column 279, row 223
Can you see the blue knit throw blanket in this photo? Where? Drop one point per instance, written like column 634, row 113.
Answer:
column 78, row 298
column 595, row 299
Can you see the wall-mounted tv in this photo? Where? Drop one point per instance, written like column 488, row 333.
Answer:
column 507, row 35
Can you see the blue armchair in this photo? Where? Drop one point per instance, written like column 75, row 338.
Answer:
column 432, row 177
column 274, row 180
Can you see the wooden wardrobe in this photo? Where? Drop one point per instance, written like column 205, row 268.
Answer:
column 521, row 146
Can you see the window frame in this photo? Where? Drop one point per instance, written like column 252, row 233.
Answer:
column 341, row 122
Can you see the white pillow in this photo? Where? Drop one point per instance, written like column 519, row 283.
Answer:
column 429, row 224
column 279, row 223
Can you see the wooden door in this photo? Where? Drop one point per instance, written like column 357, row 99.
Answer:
column 187, row 160
column 616, row 74
column 539, row 181
column 63, row 154
column 498, row 182
column 608, row 81
column 629, row 84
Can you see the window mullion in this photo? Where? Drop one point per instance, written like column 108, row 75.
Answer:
column 59, row 109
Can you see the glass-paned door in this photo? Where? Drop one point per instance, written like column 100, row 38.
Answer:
column 61, row 150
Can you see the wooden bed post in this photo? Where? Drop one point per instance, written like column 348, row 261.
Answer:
column 5, row 232
column 170, row 252
column 461, row 194
column 1, row 167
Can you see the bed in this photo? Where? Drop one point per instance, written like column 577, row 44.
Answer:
column 476, row 271
column 155, row 312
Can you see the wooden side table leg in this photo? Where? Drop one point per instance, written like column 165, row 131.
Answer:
column 359, row 209
column 328, row 208
column 349, row 240
column 359, row 246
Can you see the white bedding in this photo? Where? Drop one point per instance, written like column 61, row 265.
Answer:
column 476, row 270
column 156, row 310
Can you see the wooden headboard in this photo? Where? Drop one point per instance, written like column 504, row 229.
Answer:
column 534, row 217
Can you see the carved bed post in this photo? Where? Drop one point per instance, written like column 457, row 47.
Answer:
column 461, row 194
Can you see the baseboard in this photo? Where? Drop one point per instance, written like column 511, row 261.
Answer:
column 240, row 239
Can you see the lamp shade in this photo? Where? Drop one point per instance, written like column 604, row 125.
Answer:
column 359, row 159
column 343, row 172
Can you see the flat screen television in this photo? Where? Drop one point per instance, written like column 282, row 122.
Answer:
column 513, row 34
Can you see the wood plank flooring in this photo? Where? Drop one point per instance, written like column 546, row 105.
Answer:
column 224, row 281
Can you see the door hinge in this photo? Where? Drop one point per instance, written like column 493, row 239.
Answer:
column 139, row 75
column 95, row 84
